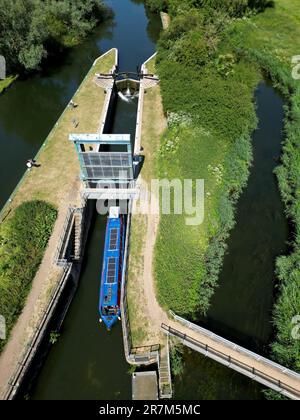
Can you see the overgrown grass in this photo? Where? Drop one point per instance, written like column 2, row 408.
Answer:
column 153, row 125
column 23, row 240
column 176, row 357
column 217, row 100
column 57, row 157
column 211, row 117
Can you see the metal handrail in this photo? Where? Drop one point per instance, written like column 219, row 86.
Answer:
column 234, row 346
column 231, row 360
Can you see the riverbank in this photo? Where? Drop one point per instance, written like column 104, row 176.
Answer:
column 56, row 181
column 6, row 83
column 210, row 97
column 211, row 116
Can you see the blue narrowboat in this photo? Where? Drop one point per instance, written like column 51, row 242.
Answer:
column 110, row 291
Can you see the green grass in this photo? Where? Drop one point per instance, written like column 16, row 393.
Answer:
column 45, row 183
column 4, row 84
column 23, row 240
column 272, row 39
column 153, row 125
column 151, row 66
column 275, row 31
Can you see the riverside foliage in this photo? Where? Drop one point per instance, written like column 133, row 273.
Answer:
column 30, row 30
column 23, row 240
column 209, row 89
column 232, row 7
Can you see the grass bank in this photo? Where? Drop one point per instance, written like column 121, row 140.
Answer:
column 4, row 84
column 208, row 97
column 209, row 65
column 274, row 51
column 23, row 240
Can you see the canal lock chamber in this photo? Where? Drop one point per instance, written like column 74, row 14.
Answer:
column 77, row 329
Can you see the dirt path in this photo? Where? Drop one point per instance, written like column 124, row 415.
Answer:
column 156, row 314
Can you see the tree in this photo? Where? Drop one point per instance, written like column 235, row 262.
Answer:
column 31, row 29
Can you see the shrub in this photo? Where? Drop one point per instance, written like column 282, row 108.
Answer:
column 232, row 7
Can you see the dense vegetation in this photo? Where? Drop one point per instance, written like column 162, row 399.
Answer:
column 30, row 30
column 220, row 55
column 274, row 54
column 23, row 239
column 207, row 92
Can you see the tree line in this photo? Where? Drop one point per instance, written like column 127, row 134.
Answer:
column 31, row 30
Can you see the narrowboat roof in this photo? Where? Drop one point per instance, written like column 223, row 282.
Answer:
column 110, row 273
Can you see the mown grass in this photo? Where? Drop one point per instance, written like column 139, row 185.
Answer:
column 151, row 66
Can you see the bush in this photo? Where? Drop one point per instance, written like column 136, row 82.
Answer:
column 23, row 240
column 176, row 357
column 285, row 349
column 232, row 7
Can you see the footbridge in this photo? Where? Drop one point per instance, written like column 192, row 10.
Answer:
column 235, row 357
column 127, row 75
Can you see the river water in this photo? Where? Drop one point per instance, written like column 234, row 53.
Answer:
column 241, row 309
column 87, row 362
